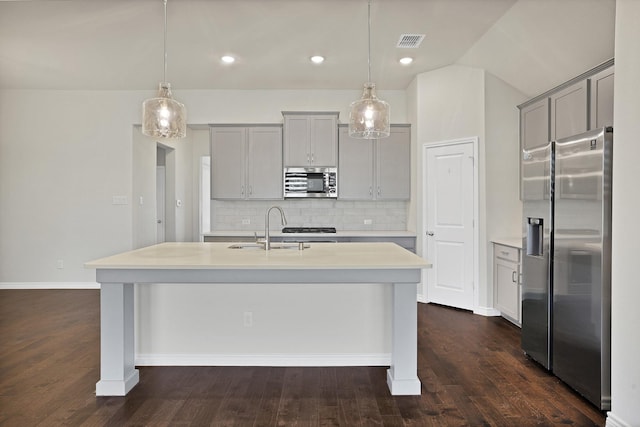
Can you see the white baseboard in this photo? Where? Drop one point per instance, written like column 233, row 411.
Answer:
column 613, row 421
column 49, row 285
column 486, row 311
column 375, row 359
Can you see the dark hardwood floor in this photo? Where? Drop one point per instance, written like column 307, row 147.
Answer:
column 472, row 370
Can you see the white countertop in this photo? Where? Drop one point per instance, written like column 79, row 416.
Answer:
column 338, row 233
column 514, row 242
column 198, row 255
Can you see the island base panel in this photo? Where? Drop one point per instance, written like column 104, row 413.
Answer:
column 403, row 387
column 402, row 376
column 118, row 374
column 117, row 387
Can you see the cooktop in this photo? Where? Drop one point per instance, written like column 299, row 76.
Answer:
column 309, row 230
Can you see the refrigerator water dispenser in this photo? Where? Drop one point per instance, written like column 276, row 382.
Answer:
column 535, row 234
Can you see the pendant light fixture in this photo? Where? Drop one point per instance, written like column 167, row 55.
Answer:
column 369, row 116
column 163, row 116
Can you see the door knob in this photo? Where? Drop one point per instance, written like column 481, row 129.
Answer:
column 429, row 233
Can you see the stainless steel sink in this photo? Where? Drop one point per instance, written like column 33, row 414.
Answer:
column 247, row 246
column 274, row 245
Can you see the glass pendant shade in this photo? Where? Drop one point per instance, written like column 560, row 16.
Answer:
column 164, row 117
column 369, row 116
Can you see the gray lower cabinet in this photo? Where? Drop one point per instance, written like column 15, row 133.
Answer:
column 310, row 139
column 506, row 279
column 246, row 162
column 407, row 242
column 375, row 169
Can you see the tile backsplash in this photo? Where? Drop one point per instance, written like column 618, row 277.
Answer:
column 249, row 215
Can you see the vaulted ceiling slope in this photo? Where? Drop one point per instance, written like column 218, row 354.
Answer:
column 118, row 44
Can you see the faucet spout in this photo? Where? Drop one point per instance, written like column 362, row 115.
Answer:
column 283, row 220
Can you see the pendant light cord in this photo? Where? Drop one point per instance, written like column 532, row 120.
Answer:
column 164, row 75
column 369, row 32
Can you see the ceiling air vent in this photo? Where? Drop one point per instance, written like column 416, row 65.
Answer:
column 410, row 40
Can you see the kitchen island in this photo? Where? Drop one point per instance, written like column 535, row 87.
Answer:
column 217, row 263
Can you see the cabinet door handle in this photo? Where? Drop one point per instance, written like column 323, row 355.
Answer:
column 242, row 190
column 429, row 233
column 514, row 277
column 250, row 190
column 379, row 191
column 313, row 158
column 370, row 190
column 504, row 253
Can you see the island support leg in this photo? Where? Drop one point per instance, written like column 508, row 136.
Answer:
column 117, row 366
column 402, row 376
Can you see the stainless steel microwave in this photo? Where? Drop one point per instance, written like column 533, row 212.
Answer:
column 310, row 182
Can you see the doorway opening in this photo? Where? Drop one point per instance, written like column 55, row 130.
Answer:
column 205, row 195
column 165, row 190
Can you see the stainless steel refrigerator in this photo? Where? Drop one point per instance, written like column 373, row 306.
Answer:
column 566, row 307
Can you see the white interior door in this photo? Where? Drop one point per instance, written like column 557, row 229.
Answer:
column 160, row 203
column 449, row 215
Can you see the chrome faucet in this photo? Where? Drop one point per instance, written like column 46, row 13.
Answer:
column 283, row 220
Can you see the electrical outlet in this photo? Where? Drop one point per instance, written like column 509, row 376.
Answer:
column 246, row 221
column 368, row 222
column 248, row 319
column 60, row 264
column 119, row 200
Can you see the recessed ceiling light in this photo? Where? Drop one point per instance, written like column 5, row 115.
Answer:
column 317, row 59
column 406, row 60
column 228, row 59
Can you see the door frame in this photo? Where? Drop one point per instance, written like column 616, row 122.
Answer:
column 474, row 140
column 161, row 206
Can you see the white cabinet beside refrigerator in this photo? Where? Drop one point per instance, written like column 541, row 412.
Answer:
column 506, row 281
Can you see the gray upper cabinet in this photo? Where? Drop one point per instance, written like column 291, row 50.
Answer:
column 375, row 169
column 310, row 139
column 534, row 124
column 393, row 165
column 601, row 85
column 583, row 103
column 569, row 110
column 355, row 173
column 246, row 162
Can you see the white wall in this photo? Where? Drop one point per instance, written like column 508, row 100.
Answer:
column 143, row 204
column 502, row 206
column 449, row 104
column 457, row 102
column 625, row 350
column 65, row 154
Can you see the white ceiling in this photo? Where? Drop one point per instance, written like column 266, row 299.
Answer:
column 118, row 44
